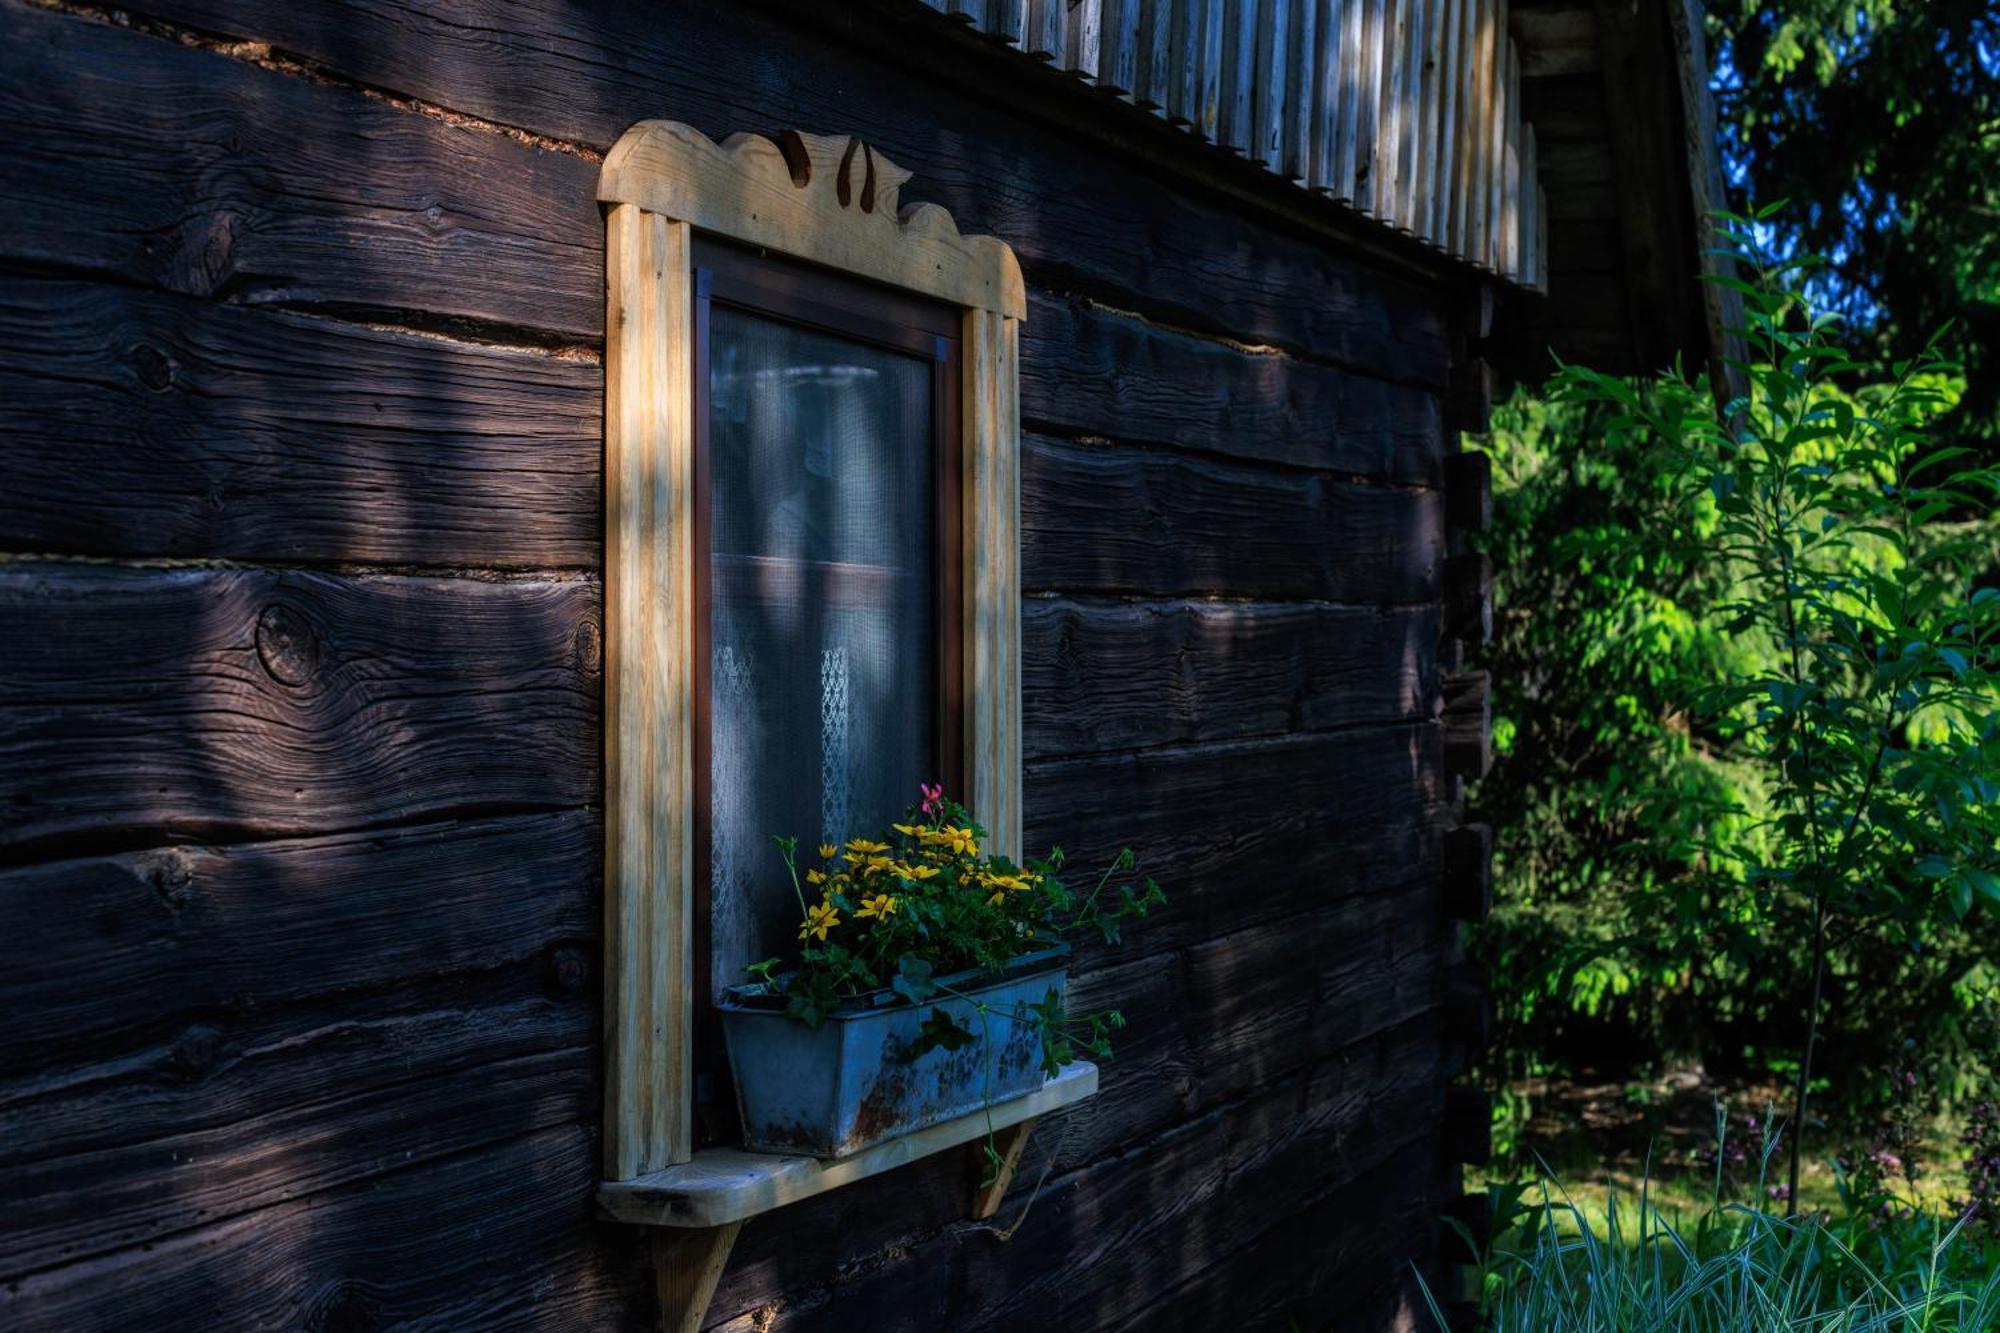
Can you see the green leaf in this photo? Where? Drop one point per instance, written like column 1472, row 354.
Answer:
column 913, row 979
column 1984, row 883
column 939, row 1031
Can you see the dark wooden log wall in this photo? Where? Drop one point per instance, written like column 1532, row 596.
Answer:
column 300, row 689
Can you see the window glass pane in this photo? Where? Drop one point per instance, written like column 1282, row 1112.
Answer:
column 823, row 522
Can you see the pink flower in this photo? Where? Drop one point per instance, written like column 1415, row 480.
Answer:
column 933, row 797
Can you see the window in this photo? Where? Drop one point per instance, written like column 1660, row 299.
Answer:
column 827, row 599
column 811, row 559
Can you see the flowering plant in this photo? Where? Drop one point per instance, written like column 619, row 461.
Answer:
column 906, row 910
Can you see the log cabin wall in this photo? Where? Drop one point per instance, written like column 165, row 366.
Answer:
column 300, row 881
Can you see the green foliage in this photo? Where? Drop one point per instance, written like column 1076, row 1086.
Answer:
column 1875, row 719
column 1751, row 705
column 1880, row 120
column 1604, row 795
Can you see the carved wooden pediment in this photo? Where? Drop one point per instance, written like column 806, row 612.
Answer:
column 829, row 199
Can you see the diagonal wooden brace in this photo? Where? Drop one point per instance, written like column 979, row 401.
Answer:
column 687, row 1263
column 1009, row 1143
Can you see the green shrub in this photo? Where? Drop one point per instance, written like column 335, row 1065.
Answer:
column 1750, row 712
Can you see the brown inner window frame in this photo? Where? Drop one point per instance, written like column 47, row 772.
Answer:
column 772, row 287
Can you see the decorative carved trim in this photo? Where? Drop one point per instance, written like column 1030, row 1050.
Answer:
column 830, row 199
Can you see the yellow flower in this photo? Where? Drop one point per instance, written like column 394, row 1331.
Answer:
column 881, row 906
column 819, row 920
column 907, row 830
column 875, row 865
column 815, row 877
column 917, row 872
column 999, row 896
column 865, row 847
column 827, row 851
column 958, row 840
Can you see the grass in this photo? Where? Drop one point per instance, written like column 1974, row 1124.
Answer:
column 1659, row 1134
column 1635, row 1262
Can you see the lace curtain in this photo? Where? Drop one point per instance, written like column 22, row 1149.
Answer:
column 823, row 703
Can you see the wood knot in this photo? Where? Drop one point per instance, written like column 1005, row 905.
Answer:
column 587, row 646
column 343, row 1307
column 197, row 1051
column 286, row 645
column 171, row 875
column 201, row 254
column 154, row 368
column 566, row 968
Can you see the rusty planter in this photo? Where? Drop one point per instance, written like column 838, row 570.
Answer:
column 847, row 1085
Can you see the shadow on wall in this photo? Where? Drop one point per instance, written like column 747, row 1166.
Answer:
column 300, row 700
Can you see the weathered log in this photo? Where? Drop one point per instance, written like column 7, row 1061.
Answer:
column 1468, row 1010
column 155, row 705
column 1159, row 524
column 1088, row 369
column 1468, row 599
column 1136, row 1223
column 1105, row 675
column 1468, row 400
column 1468, row 872
column 473, row 223
column 1468, row 724
column 1207, row 1028
column 266, row 435
column 1468, row 1124
column 1325, row 1268
column 186, row 170
column 212, row 430
column 333, row 1259
column 172, row 938
column 242, row 1111
column 1303, row 820
column 1468, row 490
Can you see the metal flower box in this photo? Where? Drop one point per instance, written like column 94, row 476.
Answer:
column 849, row 1084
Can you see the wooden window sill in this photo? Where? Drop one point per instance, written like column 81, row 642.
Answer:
column 722, row 1186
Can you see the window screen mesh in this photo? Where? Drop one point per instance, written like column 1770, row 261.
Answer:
column 822, row 529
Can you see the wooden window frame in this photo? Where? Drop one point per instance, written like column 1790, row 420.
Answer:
column 829, row 201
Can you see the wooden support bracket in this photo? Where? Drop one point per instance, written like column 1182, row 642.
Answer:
column 687, row 1263
column 1009, row 1143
